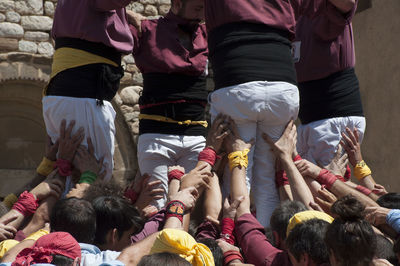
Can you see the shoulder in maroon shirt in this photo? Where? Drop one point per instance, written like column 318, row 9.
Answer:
column 159, row 49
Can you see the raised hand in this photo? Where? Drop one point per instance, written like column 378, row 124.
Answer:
column 338, row 164
column 51, row 149
column 68, row 143
column 229, row 209
column 51, row 186
column 85, row 160
column 285, row 146
column 198, row 177
column 148, row 192
column 187, row 196
column 234, row 141
column 217, row 132
column 7, row 231
column 307, row 168
column 351, row 144
column 325, row 200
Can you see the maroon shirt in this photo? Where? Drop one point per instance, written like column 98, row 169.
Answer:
column 159, row 50
column 255, row 246
column 101, row 21
column 280, row 14
column 327, row 43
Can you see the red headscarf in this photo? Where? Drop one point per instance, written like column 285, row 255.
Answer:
column 58, row 243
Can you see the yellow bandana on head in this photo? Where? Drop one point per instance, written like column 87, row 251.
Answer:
column 181, row 243
column 6, row 245
column 304, row 216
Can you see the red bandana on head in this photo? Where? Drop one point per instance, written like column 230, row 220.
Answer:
column 58, row 243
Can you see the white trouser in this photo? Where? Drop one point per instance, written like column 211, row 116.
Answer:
column 258, row 107
column 158, row 151
column 318, row 141
column 97, row 121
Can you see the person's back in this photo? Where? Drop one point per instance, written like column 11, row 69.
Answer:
column 90, row 38
column 330, row 98
column 172, row 55
column 255, row 80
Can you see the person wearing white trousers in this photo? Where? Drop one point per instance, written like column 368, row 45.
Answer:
column 258, row 107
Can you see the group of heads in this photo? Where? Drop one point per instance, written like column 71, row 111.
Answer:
column 347, row 239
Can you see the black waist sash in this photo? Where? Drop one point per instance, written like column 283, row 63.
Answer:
column 337, row 95
column 176, row 96
column 97, row 81
column 245, row 52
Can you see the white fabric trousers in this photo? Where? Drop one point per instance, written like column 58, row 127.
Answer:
column 156, row 152
column 97, row 121
column 258, row 107
column 318, row 141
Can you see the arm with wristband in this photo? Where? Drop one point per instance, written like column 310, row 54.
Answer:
column 285, row 150
column 331, row 182
column 352, row 145
column 175, row 174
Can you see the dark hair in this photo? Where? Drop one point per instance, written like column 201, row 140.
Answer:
column 103, row 188
column 308, row 238
column 384, row 249
column 350, row 238
column 282, row 214
column 215, row 250
column 163, row 259
column 61, row 260
column 75, row 216
column 389, row 200
column 115, row 212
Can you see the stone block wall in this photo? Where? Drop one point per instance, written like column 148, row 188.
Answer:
column 26, row 50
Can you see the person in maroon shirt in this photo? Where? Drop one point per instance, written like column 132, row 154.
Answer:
column 90, row 38
column 172, row 54
column 330, row 99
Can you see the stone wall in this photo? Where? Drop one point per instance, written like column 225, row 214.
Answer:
column 26, row 50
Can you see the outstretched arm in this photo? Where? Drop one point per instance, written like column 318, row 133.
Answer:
column 337, row 187
column 284, row 149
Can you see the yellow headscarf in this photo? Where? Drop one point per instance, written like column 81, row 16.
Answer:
column 304, row 216
column 181, row 243
column 6, row 245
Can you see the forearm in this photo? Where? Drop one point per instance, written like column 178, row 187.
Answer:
column 239, row 188
column 133, row 254
column 12, row 253
column 13, row 213
column 340, row 190
column 285, row 193
column 344, row 6
column 213, row 199
column 300, row 190
column 368, row 182
column 173, row 187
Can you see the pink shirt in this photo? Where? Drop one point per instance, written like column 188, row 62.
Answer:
column 102, row 21
column 327, row 43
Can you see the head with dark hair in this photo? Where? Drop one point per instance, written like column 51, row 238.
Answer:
column 215, row 250
column 190, row 10
column 117, row 220
column 389, row 200
column 384, row 249
column 103, row 188
column 75, row 216
column 61, row 260
column 305, row 243
column 280, row 220
column 350, row 239
column 396, row 250
column 163, row 259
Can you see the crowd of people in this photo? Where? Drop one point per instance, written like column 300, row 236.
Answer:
column 248, row 187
